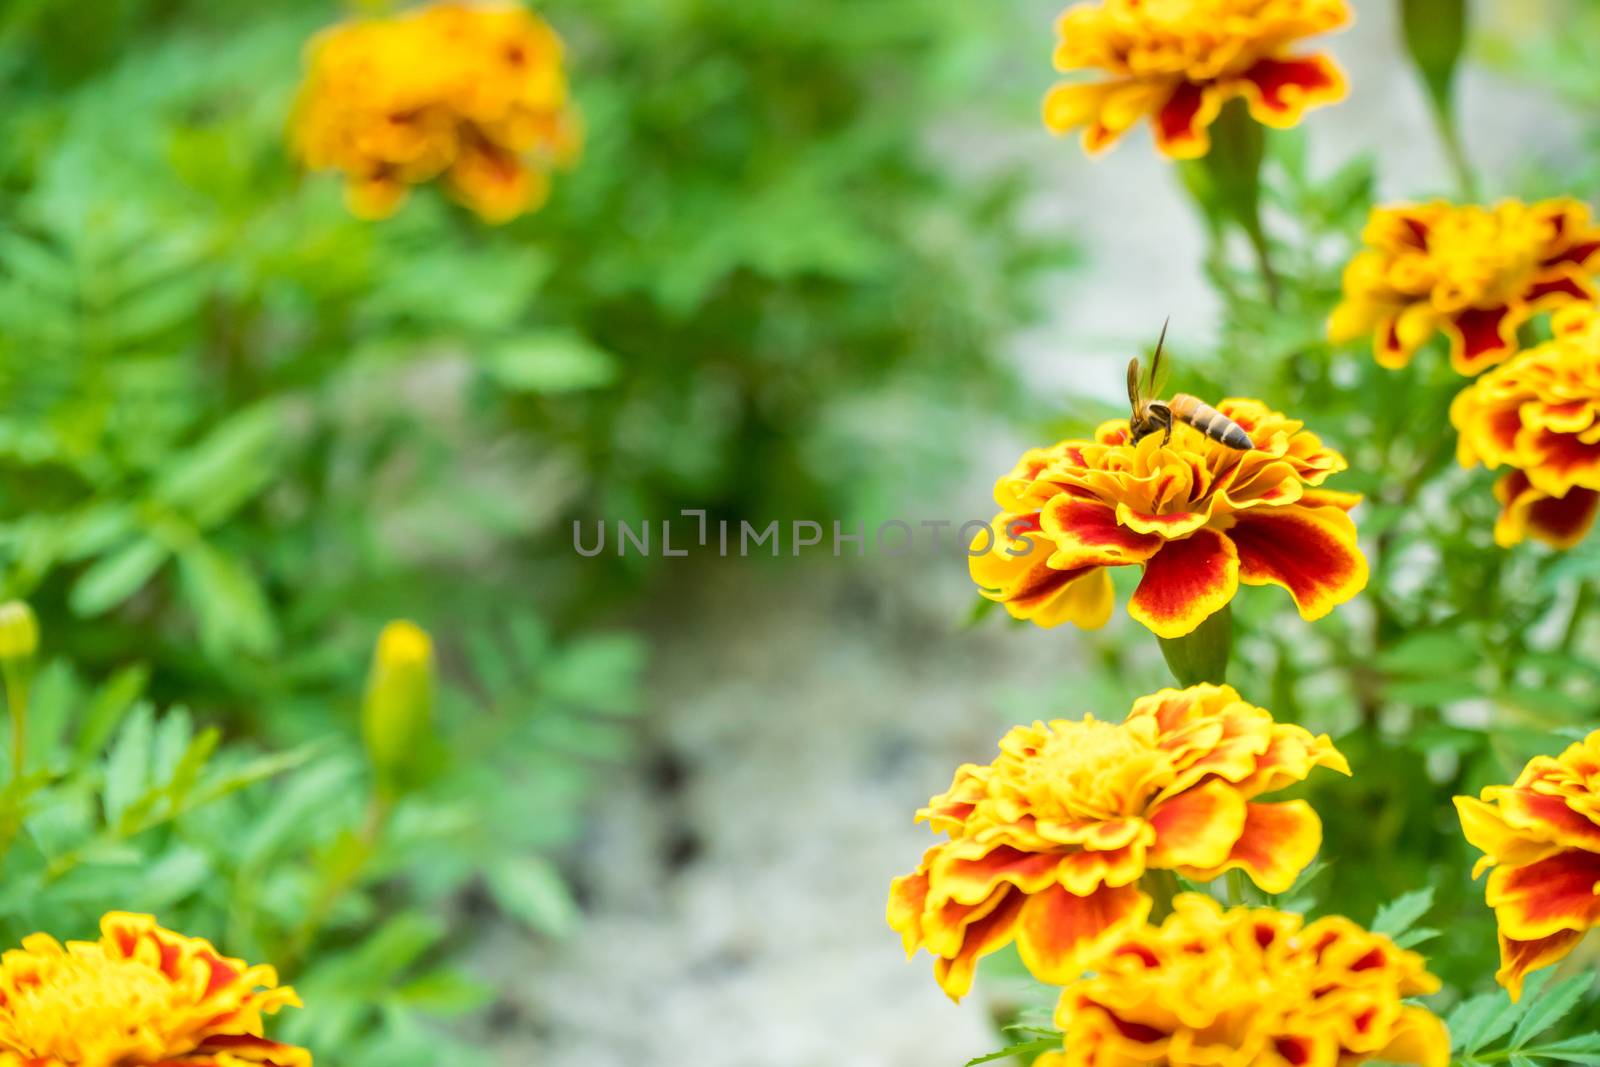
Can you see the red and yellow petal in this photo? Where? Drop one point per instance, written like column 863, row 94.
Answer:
column 1519, row 958
column 1560, row 522
column 908, row 895
column 1185, row 583
column 1180, row 123
column 971, row 880
column 1542, row 898
column 1487, row 831
column 1197, row 828
column 1482, row 337
column 1009, row 563
column 1311, row 552
column 1279, row 841
column 1418, row 1036
column 990, row 933
column 1056, row 925
column 1087, row 533
column 226, row 1050
column 1280, row 91
column 1545, row 816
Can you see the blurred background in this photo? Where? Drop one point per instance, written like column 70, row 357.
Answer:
column 817, row 262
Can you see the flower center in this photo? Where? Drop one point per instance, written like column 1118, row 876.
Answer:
column 1479, row 254
column 86, row 1011
column 1096, row 770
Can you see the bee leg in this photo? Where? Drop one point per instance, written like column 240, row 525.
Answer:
column 1166, row 438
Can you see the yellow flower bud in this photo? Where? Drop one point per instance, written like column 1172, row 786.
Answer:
column 399, row 702
column 19, row 631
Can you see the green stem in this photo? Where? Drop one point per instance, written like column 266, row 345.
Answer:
column 17, row 704
column 337, row 879
column 1202, row 654
column 1236, row 888
column 1580, row 609
column 1162, row 885
column 1455, row 149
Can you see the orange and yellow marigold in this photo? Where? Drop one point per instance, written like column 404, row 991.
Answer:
column 1541, row 836
column 140, row 995
column 1177, row 62
column 1250, row 987
column 1198, row 517
column 1539, row 414
column 1048, row 842
column 1476, row 273
column 472, row 93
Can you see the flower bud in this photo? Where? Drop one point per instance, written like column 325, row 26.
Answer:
column 398, row 710
column 19, row 632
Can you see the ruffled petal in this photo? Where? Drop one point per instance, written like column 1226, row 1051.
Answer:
column 1279, row 841
column 1311, row 552
column 1180, row 123
column 1086, row 533
column 1185, row 583
column 1056, row 925
column 1547, row 896
column 1279, row 91
column 1519, row 958
column 992, row 932
column 1197, row 828
column 1482, row 337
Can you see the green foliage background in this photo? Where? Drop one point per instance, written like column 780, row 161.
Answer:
column 240, row 429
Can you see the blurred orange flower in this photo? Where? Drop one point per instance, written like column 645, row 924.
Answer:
column 1176, row 63
column 1540, row 415
column 475, row 94
column 1047, row 843
column 1250, row 987
column 1198, row 517
column 1477, row 273
column 141, row 995
column 1542, row 837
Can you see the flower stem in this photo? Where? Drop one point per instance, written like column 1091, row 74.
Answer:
column 1455, row 149
column 17, row 704
column 1202, row 654
column 1580, row 610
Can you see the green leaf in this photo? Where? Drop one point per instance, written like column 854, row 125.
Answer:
column 212, row 479
column 553, row 362
column 446, row 992
column 531, row 890
column 114, row 578
column 106, row 709
column 1550, row 1008
column 128, row 764
column 1481, row 1019
column 1584, row 1048
column 233, row 612
column 1416, row 936
column 1402, row 913
column 1024, row 1050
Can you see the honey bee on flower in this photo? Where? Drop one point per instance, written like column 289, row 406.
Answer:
column 1177, row 62
column 473, row 94
column 1200, row 511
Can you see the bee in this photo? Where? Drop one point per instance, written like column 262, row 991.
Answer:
column 1151, row 414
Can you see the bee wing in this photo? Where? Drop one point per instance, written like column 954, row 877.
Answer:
column 1158, row 367
column 1133, row 383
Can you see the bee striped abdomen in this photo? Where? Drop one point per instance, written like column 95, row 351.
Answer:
column 1209, row 421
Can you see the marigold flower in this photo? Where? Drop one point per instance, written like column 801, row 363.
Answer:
column 141, row 995
column 1540, row 414
column 1542, row 837
column 1198, row 517
column 473, row 93
column 1250, row 987
column 1178, row 62
column 1047, row 843
column 1477, row 273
